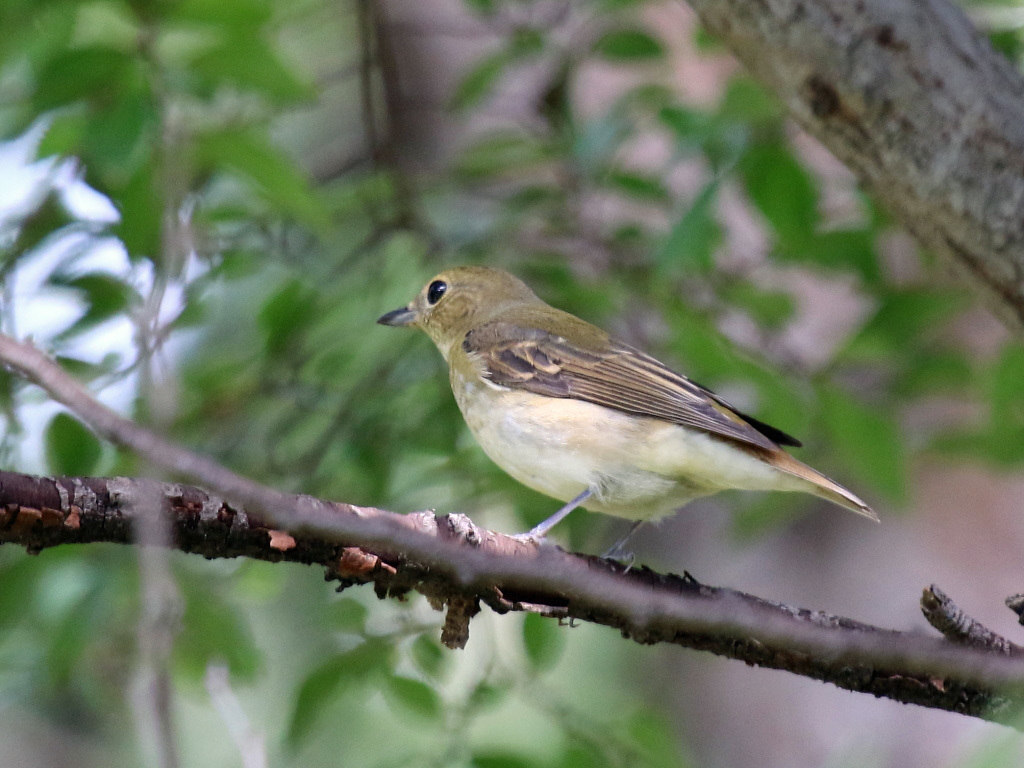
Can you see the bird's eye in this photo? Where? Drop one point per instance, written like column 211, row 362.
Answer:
column 435, row 291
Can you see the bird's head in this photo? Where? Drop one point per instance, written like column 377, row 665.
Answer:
column 458, row 300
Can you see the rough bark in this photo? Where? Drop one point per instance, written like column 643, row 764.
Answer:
column 914, row 100
column 649, row 607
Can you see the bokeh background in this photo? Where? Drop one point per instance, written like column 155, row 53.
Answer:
column 205, row 205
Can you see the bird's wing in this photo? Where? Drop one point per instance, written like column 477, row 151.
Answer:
column 617, row 376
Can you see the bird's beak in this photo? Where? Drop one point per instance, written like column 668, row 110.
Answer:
column 398, row 317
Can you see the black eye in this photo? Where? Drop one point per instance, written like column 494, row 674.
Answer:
column 436, row 290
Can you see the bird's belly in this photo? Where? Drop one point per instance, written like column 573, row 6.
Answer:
column 560, row 447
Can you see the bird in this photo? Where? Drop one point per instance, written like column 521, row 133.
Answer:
column 588, row 420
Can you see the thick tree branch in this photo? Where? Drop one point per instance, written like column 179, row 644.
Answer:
column 915, row 101
column 456, row 564
column 41, row 512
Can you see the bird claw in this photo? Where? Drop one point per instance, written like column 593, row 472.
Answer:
column 620, row 555
column 530, row 537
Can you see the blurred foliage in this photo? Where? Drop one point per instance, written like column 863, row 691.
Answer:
column 261, row 229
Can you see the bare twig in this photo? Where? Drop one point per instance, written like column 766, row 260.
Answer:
column 448, row 558
column 160, row 616
column 943, row 614
column 161, row 605
column 249, row 741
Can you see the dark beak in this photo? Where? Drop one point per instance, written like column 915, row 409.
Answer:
column 398, row 317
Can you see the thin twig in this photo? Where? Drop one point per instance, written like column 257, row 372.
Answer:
column 161, row 604
column 951, row 620
column 249, row 741
column 159, row 618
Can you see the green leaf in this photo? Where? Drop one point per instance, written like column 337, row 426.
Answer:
column 689, row 125
column 72, row 635
column 770, row 309
column 286, row 314
column 543, row 640
column 121, row 136
column 933, row 371
column 105, row 296
column 867, row 442
column 347, row 614
column 429, row 656
column 639, row 186
column 585, row 755
column 526, row 42
column 694, row 237
column 7, row 389
column 71, row 449
column 478, row 83
column 213, row 631
column 325, row 682
column 846, row 249
column 49, row 217
column 501, row 151
column 651, row 734
column 500, row 760
column 85, row 370
column 748, row 102
column 415, row 697
column 249, row 63
column 1007, row 388
column 487, row 696
column 782, row 191
column 628, row 45
column 765, row 513
column 19, row 578
column 1007, row 42
column 272, row 173
column 902, row 317
column 79, row 74
column 141, row 208
column 483, row 7
column 63, row 135
column 224, row 14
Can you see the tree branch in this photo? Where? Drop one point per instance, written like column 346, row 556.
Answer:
column 914, row 100
column 42, row 512
column 456, row 564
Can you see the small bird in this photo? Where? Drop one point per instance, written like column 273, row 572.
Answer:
column 590, row 421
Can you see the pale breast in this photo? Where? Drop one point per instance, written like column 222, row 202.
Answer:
column 559, row 447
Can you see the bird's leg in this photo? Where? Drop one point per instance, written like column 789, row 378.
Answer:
column 539, row 531
column 618, row 550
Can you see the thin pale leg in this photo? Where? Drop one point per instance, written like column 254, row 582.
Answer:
column 618, row 550
column 539, row 531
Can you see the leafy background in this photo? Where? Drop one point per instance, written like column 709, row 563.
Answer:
column 207, row 204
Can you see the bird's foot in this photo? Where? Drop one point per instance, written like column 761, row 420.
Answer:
column 620, row 555
column 536, row 534
column 530, row 537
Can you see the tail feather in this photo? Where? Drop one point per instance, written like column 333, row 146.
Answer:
column 822, row 486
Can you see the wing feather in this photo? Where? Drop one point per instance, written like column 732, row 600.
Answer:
column 618, row 377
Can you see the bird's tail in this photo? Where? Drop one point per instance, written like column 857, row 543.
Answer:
column 820, row 485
